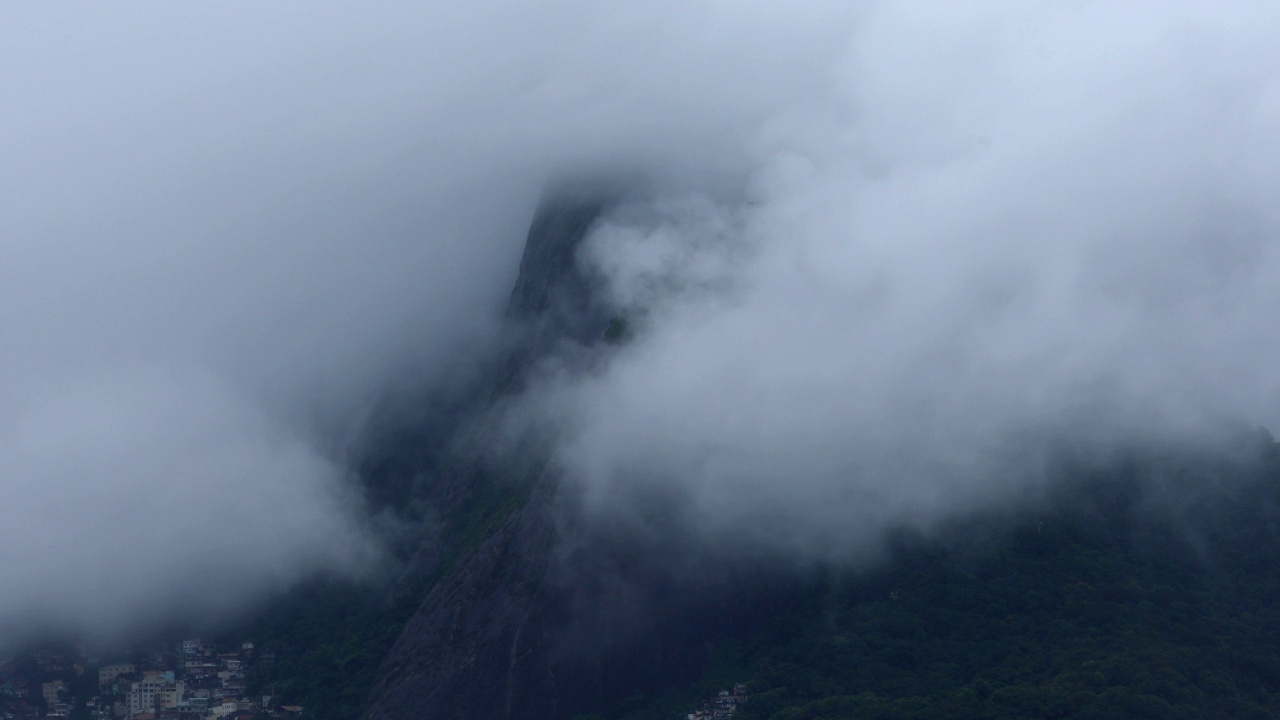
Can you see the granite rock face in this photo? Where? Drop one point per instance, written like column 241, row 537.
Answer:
column 532, row 611
column 462, row 655
column 553, row 290
column 476, row 646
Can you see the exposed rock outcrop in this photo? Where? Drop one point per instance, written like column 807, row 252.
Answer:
column 466, row 652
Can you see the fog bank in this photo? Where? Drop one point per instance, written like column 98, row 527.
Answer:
column 228, row 229
column 889, row 250
column 995, row 237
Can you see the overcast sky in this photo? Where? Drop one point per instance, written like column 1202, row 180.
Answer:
column 888, row 243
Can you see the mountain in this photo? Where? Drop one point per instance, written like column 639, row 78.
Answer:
column 1126, row 597
column 1132, row 592
column 514, row 625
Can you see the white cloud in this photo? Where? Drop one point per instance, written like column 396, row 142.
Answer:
column 226, row 227
column 997, row 231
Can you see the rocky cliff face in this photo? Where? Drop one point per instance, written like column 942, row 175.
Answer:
column 477, row 646
column 530, row 612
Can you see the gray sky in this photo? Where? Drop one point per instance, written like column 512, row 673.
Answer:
column 225, row 227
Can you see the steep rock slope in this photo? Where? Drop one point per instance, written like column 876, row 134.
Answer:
column 467, row 651
column 531, row 611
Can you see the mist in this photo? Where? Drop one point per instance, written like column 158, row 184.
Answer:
column 999, row 241
column 885, row 246
column 229, row 231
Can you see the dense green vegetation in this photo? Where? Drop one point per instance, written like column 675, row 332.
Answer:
column 1124, row 598
column 1105, row 608
column 329, row 638
column 1055, row 625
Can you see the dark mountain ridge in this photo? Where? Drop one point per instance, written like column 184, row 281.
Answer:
column 516, row 605
column 527, row 618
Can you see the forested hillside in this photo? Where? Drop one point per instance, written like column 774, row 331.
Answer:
column 1139, row 585
column 1124, row 600
column 1129, row 594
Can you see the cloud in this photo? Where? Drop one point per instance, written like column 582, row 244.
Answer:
column 887, row 242
column 228, row 229
column 138, row 488
column 994, row 235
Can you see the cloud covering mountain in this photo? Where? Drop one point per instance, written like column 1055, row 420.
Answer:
column 889, row 249
column 995, row 237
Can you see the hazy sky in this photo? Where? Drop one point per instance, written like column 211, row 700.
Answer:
column 888, row 244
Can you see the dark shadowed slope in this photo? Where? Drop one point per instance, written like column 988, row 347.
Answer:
column 1137, row 592
column 530, row 613
column 463, row 654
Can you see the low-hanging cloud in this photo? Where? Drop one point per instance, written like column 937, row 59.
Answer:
column 228, row 229
column 996, row 235
column 887, row 243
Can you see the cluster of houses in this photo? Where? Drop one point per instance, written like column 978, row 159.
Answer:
column 723, row 706
column 196, row 680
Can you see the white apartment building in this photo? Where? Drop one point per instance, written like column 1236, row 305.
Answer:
column 155, row 691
